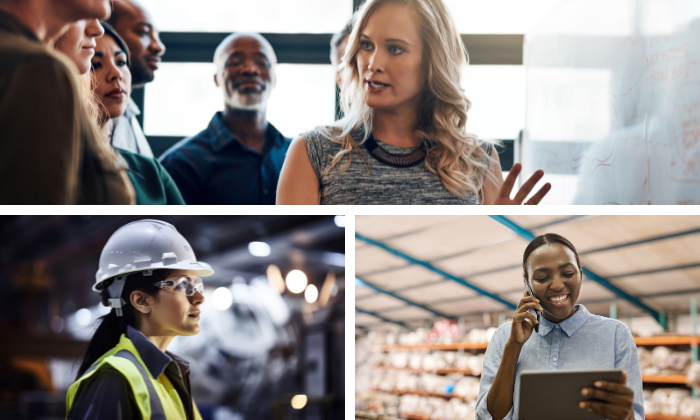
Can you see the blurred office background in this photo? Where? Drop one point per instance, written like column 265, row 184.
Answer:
column 183, row 97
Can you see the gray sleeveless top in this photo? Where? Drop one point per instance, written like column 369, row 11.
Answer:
column 383, row 184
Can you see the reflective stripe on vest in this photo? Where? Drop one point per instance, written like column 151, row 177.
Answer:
column 144, row 392
column 151, row 396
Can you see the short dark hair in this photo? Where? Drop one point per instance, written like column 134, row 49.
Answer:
column 109, row 31
column 117, row 14
column 547, row 239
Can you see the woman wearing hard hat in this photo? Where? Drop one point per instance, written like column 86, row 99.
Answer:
column 150, row 277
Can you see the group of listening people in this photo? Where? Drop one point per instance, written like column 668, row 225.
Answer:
column 69, row 67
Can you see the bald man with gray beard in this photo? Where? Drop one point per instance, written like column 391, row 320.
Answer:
column 238, row 158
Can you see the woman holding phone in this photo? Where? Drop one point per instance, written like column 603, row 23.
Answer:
column 569, row 338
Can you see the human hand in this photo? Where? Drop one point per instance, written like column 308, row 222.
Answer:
column 503, row 197
column 521, row 330
column 616, row 403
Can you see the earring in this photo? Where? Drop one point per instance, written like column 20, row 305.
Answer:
column 147, row 309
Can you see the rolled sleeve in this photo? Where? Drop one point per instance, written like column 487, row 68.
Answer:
column 106, row 396
column 492, row 359
column 627, row 359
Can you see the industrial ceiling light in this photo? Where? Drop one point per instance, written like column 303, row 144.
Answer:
column 259, row 249
column 339, row 221
column 296, row 281
column 311, row 293
column 334, row 258
column 327, row 288
column 299, row 401
column 222, row 298
column 274, row 276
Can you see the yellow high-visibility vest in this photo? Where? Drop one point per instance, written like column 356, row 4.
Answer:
column 156, row 398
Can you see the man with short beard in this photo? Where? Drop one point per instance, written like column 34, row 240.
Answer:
column 238, row 158
column 135, row 25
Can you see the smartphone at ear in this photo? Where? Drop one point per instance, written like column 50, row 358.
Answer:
column 533, row 311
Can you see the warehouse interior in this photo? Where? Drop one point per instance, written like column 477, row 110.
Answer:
column 431, row 290
column 271, row 345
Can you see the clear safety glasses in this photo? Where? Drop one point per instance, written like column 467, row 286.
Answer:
column 186, row 285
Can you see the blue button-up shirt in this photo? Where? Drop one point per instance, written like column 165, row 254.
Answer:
column 213, row 167
column 581, row 342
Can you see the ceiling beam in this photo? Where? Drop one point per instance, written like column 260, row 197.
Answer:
column 360, row 282
column 362, row 311
column 527, row 232
column 656, row 270
column 565, row 220
column 430, row 267
column 640, row 242
column 587, row 272
column 415, row 286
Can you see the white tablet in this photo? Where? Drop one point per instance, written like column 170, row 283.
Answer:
column 555, row 394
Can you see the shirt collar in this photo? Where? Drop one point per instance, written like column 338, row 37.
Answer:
column 155, row 360
column 11, row 24
column 570, row 325
column 224, row 137
column 132, row 110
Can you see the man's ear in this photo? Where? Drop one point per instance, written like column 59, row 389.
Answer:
column 216, row 80
column 141, row 301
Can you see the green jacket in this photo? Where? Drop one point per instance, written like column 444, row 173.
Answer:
column 152, row 183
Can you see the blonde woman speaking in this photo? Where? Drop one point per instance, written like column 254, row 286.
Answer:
column 403, row 139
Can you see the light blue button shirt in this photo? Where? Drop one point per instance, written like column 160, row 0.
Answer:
column 582, row 341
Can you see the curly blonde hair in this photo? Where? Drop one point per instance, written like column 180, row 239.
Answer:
column 452, row 153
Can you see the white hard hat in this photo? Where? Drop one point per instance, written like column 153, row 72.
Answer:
column 147, row 245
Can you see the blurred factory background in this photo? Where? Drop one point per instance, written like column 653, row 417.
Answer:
column 272, row 331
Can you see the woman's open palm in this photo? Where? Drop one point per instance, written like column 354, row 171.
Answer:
column 503, row 197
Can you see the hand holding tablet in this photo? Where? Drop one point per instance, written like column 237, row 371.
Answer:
column 615, row 399
column 556, row 395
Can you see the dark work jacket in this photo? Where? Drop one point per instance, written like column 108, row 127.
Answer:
column 107, row 395
column 50, row 150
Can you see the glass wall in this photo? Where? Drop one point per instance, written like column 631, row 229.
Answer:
column 271, row 16
column 183, row 99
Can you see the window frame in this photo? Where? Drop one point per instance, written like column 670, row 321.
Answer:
column 304, row 48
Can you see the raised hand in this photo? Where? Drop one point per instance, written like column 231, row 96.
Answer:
column 504, row 193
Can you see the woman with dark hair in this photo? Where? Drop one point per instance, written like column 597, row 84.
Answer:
column 150, row 278
column 569, row 338
column 112, row 88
